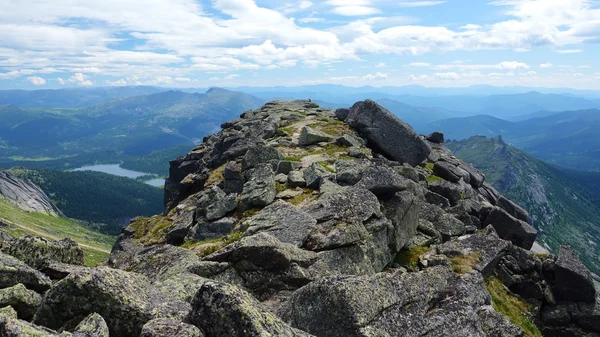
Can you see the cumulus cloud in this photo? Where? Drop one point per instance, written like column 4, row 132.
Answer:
column 569, row 51
column 546, row 65
column 80, row 79
column 447, row 76
column 61, row 81
column 35, row 80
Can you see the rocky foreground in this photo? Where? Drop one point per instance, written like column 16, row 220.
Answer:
column 300, row 221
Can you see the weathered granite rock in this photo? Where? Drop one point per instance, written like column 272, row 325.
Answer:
column 286, row 167
column 509, row 228
column 513, row 209
column 314, row 174
column 91, row 326
column 221, row 207
column 212, row 230
column 223, row 310
column 13, row 272
column 310, row 136
column 573, row 280
column 164, row 327
column 387, row 133
column 382, row 180
column 450, row 191
column 350, row 172
column 26, row 195
column 35, row 250
column 436, row 137
column 284, row 221
column 296, row 179
column 23, row 300
column 260, row 189
column 403, row 210
column 435, row 302
column 10, row 326
column 448, row 171
column 260, row 154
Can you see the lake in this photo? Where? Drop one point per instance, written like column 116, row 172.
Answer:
column 117, row 170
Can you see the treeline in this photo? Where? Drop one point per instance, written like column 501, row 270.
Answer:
column 156, row 162
column 105, row 201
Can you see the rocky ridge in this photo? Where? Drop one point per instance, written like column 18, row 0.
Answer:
column 26, row 195
column 301, row 221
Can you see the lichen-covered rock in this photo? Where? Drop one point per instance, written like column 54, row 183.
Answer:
column 310, row 136
column 573, row 280
column 260, row 154
column 23, row 300
column 221, row 207
column 382, row 180
column 435, row 302
column 35, row 250
column 10, row 326
column 402, row 210
column 163, row 327
column 387, row 133
column 510, row 228
column 315, row 174
column 14, row 271
column 122, row 298
column 223, row 310
column 450, row 191
column 284, row 221
column 513, row 209
column 91, row 326
column 260, row 189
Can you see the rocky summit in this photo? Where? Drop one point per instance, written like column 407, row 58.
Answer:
column 300, row 221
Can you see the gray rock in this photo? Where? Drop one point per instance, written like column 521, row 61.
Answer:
column 490, row 193
column 513, row 209
column 509, row 228
column 223, row 310
column 328, row 186
column 289, row 194
column 260, row 189
column 58, row 271
column 403, row 210
column 221, row 207
column 23, row 300
column 407, row 172
column 314, row 174
column 450, row 191
column 387, row 133
column 588, row 316
column 435, row 302
column 260, row 154
column 13, row 272
column 213, row 229
column 349, row 140
column 35, row 251
column 10, row 326
column 448, row 171
column 284, row 221
column 91, row 326
column 436, row 137
column 310, row 136
column 234, row 178
column 496, row 325
column 573, row 280
column 281, row 178
column 296, row 179
column 436, row 199
column 382, row 180
column 26, row 195
column 286, row 167
column 342, row 113
column 555, row 315
column 164, row 327
column 349, row 172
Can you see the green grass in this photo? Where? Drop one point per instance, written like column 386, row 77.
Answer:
column 96, row 246
column 410, row 257
column 433, row 178
column 297, row 200
column 151, row 231
column 512, row 307
column 206, row 247
column 464, row 264
column 429, row 165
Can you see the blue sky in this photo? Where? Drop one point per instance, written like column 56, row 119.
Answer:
column 189, row 43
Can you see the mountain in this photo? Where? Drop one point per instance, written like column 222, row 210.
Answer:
column 562, row 209
column 70, row 98
column 416, row 116
column 465, row 127
column 26, row 195
column 104, row 202
column 115, row 130
column 287, row 223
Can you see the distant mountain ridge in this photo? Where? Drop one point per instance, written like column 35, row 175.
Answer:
column 562, row 209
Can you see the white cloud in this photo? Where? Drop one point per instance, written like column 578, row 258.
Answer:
column 546, row 65
column 61, row 81
column 569, row 51
column 447, row 76
column 464, row 66
column 420, row 65
column 80, row 79
column 232, row 76
column 375, row 76
column 355, row 10
column 35, row 80
column 419, row 3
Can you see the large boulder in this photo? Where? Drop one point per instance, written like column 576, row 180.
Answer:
column 23, row 300
column 310, row 136
column 260, row 189
column 403, row 210
column 260, row 154
column 11, row 326
column 125, row 300
column 284, row 221
column 91, row 326
column 387, row 133
column 223, row 310
column 164, row 327
column 382, row 180
column 35, row 251
column 14, row 271
column 435, row 302
column 513, row 209
column 573, row 281
column 510, row 228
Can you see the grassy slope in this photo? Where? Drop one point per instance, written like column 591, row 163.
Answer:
column 563, row 210
column 96, row 246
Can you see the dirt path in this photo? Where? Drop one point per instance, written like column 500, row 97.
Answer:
column 53, row 237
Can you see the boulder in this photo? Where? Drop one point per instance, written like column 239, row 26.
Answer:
column 296, row 179
column 436, row 199
column 221, row 207
column 223, row 310
column 122, row 298
column 403, row 210
column 13, row 272
column 164, row 327
column 349, row 140
column 513, row 209
column 260, row 189
column 436, row 137
column 260, row 154
column 23, row 300
column 310, row 136
column 35, row 251
column 382, row 180
column 314, row 174
column 349, row 172
column 489, row 193
column 234, row 178
column 448, row 171
column 512, row 229
column 434, row 302
column 573, row 281
column 285, row 167
column 342, row 113
column 284, row 221
column 91, row 326
column 388, row 134
column 10, row 326
column 212, row 230
column 450, row 191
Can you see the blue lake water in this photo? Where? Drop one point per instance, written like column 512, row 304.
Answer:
column 116, row 170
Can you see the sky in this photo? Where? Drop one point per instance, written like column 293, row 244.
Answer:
column 48, row 44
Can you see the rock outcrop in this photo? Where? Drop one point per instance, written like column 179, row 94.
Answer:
column 26, row 195
column 301, row 221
